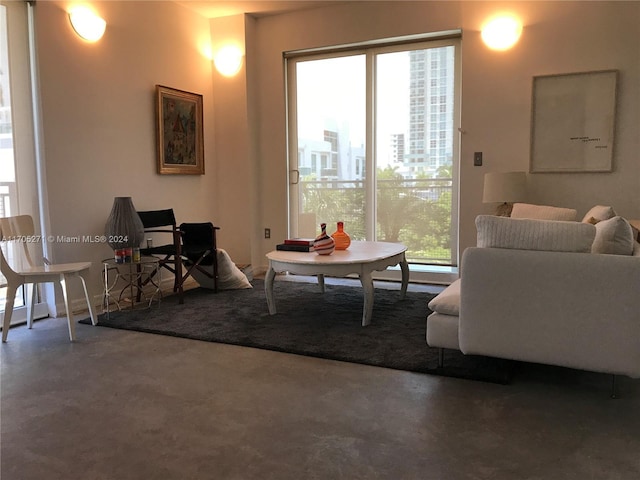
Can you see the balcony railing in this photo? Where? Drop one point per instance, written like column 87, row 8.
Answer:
column 7, row 190
column 415, row 212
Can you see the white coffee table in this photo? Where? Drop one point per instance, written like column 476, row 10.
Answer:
column 361, row 258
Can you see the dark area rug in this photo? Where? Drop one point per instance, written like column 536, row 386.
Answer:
column 311, row 323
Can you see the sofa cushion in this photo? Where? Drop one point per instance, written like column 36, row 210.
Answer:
column 613, row 236
column 542, row 212
column 442, row 331
column 528, row 234
column 447, row 302
column 599, row 213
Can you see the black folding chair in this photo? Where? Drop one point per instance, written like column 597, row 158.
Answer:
column 199, row 250
column 170, row 254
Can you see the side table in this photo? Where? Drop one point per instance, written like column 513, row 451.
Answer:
column 124, row 283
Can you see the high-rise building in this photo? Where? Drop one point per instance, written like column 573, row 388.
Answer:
column 397, row 148
column 431, row 95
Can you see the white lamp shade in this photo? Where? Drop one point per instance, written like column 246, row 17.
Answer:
column 504, row 187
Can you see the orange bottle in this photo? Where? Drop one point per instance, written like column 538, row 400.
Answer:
column 342, row 238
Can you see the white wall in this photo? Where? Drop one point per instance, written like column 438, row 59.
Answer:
column 98, row 109
column 558, row 37
column 233, row 144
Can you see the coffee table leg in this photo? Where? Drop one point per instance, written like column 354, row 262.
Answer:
column 321, row 282
column 404, row 266
column 268, row 290
column 367, row 285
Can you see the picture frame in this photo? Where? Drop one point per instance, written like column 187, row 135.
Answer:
column 180, row 145
column 573, row 122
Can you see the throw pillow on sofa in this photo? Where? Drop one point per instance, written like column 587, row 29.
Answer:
column 613, row 236
column 542, row 212
column 528, row 234
column 447, row 302
column 598, row 214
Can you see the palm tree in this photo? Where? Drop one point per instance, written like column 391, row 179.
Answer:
column 395, row 204
column 445, row 171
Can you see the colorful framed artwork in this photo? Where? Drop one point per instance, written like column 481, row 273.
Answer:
column 180, row 142
column 573, row 122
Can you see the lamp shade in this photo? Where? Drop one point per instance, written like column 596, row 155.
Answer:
column 504, row 187
column 124, row 228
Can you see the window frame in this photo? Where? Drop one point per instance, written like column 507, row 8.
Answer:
column 370, row 50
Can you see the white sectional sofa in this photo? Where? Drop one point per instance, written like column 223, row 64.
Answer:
column 532, row 290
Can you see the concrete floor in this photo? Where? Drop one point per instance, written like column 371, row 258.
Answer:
column 123, row 405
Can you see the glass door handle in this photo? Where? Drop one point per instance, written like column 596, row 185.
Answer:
column 297, row 176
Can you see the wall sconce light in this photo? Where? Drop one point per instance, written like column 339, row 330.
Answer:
column 502, row 32
column 86, row 23
column 228, row 60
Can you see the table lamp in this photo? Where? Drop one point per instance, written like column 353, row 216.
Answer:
column 504, row 188
column 124, row 228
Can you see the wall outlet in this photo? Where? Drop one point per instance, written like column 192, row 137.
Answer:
column 477, row 159
column 267, row 233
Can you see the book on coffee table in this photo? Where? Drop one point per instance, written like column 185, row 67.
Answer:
column 307, row 242
column 294, row 248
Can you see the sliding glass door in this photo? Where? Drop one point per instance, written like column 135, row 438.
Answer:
column 373, row 142
column 18, row 185
column 329, row 169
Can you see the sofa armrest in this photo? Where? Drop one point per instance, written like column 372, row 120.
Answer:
column 577, row 310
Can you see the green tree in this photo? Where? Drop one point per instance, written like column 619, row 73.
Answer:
column 416, row 212
column 445, row 171
column 333, row 203
column 396, row 206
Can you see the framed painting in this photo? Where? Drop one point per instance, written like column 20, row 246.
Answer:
column 573, row 122
column 179, row 132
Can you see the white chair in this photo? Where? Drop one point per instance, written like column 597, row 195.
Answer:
column 15, row 233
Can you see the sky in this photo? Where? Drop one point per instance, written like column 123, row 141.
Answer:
column 333, row 92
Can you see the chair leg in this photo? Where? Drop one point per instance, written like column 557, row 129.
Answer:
column 92, row 312
column 215, row 271
column 179, row 281
column 8, row 310
column 67, row 306
column 440, row 357
column 31, row 295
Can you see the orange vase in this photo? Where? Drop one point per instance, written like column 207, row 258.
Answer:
column 342, row 238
